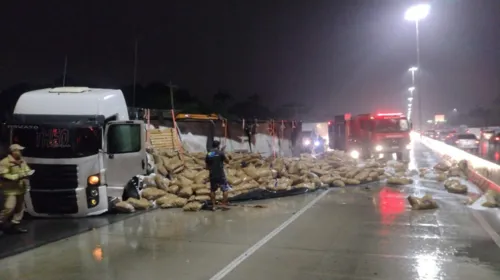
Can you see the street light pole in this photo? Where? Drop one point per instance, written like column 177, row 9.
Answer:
column 172, row 87
column 417, row 13
column 415, row 81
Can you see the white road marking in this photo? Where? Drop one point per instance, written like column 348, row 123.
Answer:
column 232, row 265
column 486, row 226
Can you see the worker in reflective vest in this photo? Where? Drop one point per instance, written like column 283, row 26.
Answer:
column 14, row 174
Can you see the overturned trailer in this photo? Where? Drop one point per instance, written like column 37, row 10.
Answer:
column 266, row 137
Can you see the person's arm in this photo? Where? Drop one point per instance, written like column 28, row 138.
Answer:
column 207, row 166
column 25, row 168
column 224, row 158
column 5, row 171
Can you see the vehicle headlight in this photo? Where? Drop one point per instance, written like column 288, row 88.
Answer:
column 94, row 192
column 307, row 142
column 93, row 180
column 355, row 154
column 379, row 148
column 316, row 143
column 408, row 147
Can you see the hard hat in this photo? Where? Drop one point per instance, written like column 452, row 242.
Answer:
column 16, row 147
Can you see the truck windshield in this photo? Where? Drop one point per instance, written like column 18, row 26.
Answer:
column 391, row 125
column 45, row 141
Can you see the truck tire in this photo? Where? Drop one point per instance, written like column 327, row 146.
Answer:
column 403, row 156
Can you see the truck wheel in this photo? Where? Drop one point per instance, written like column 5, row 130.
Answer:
column 403, row 156
column 365, row 155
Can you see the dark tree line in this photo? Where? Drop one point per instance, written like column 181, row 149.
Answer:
column 156, row 95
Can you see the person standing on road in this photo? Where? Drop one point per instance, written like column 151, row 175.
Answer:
column 215, row 164
column 14, row 174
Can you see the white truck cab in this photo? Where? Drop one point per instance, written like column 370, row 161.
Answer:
column 82, row 146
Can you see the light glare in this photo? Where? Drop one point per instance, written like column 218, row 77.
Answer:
column 417, row 12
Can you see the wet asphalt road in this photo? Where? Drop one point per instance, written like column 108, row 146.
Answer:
column 365, row 232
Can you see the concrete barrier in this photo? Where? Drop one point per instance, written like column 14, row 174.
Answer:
column 483, row 173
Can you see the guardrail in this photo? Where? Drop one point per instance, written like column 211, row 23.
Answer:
column 483, row 173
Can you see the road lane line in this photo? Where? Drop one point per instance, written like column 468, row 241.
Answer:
column 232, row 265
column 486, row 226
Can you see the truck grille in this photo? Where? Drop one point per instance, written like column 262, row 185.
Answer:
column 54, row 177
column 54, row 202
column 394, row 142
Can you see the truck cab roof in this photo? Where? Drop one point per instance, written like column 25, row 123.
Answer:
column 73, row 101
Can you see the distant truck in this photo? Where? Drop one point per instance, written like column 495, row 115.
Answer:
column 369, row 135
column 82, row 145
column 313, row 138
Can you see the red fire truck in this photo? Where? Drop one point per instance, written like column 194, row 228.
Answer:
column 369, row 135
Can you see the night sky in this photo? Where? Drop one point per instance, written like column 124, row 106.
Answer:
column 335, row 55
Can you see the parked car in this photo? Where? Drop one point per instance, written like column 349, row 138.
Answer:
column 487, row 134
column 431, row 134
column 495, row 139
column 450, row 139
column 468, row 142
column 446, row 134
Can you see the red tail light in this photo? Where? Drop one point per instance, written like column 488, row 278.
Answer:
column 497, row 138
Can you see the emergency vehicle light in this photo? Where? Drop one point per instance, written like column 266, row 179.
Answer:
column 389, row 114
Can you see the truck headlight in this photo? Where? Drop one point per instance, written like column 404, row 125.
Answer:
column 93, row 180
column 307, row 142
column 355, row 154
column 94, row 193
column 316, row 143
column 379, row 148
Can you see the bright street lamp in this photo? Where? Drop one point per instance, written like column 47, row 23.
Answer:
column 413, row 70
column 411, row 89
column 410, row 99
column 417, row 13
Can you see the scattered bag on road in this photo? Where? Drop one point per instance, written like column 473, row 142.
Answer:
column 399, row 181
column 193, row 206
column 455, row 186
column 424, row 203
column 491, row 199
column 124, row 207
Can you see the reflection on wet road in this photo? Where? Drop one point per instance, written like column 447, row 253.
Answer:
column 365, row 232
column 490, row 151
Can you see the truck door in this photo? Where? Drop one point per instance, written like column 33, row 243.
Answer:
column 125, row 152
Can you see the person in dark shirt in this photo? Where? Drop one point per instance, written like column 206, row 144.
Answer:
column 215, row 164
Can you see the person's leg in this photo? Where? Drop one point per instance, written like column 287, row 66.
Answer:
column 7, row 210
column 17, row 216
column 213, row 188
column 225, row 189
column 18, row 210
